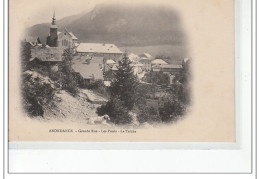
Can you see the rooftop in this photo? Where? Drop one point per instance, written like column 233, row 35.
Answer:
column 110, row 61
column 159, row 61
column 98, row 48
column 88, row 71
column 46, row 54
column 171, row 66
column 31, row 39
column 146, row 55
column 71, row 34
column 133, row 57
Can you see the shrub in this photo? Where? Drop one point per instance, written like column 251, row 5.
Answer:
column 37, row 92
column 157, row 78
column 25, row 55
column 147, row 114
column 66, row 76
column 117, row 112
column 170, row 109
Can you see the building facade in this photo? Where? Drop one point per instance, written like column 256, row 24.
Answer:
column 146, row 60
column 62, row 39
column 107, row 51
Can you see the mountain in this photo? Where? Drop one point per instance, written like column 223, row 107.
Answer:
column 121, row 24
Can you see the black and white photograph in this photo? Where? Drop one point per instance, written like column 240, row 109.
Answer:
column 117, row 64
column 121, row 71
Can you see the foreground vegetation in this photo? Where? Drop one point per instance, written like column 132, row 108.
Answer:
column 154, row 99
column 128, row 95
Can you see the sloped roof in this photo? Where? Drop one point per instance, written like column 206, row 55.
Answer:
column 97, row 48
column 171, row 66
column 88, row 71
column 31, row 39
column 186, row 59
column 110, row 61
column 146, row 55
column 64, row 30
column 98, row 60
column 137, row 65
column 133, row 57
column 47, row 54
column 159, row 61
column 73, row 36
column 114, row 68
column 70, row 33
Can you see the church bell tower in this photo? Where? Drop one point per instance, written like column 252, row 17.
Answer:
column 52, row 40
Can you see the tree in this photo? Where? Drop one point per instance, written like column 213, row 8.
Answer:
column 147, row 114
column 176, row 105
column 65, row 75
column 25, row 55
column 157, row 78
column 170, row 109
column 125, row 83
column 185, row 78
column 122, row 94
column 116, row 111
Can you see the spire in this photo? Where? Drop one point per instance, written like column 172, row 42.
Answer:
column 53, row 19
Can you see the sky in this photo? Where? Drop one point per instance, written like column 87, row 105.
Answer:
column 41, row 11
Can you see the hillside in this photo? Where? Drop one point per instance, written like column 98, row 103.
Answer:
column 123, row 25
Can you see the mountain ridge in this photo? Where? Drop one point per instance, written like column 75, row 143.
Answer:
column 121, row 25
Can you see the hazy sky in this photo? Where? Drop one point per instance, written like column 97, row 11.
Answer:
column 41, row 11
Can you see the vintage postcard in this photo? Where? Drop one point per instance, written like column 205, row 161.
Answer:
column 121, row 71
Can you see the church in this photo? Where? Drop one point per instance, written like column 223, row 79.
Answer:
column 63, row 39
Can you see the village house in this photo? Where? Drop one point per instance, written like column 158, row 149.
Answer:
column 109, row 65
column 33, row 41
column 137, row 68
column 146, row 59
column 169, row 68
column 107, row 51
column 63, row 39
column 88, row 71
column 158, row 62
column 133, row 57
column 47, row 53
column 47, row 56
column 91, row 59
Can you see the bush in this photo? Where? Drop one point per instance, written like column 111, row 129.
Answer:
column 25, row 55
column 115, row 109
column 109, row 75
column 157, row 78
column 147, row 114
column 37, row 94
column 66, row 76
column 170, row 109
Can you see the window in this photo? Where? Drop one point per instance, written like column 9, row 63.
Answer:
column 64, row 42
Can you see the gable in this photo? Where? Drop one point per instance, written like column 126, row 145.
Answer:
column 64, row 33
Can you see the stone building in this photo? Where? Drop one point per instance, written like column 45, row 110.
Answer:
column 146, row 59
column 62, row 39
column 107, row 51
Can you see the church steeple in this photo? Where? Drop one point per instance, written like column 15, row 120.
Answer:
column 52, row 39
column 53, row 19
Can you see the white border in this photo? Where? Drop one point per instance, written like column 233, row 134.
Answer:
column 230, row 161
column 241, row 75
